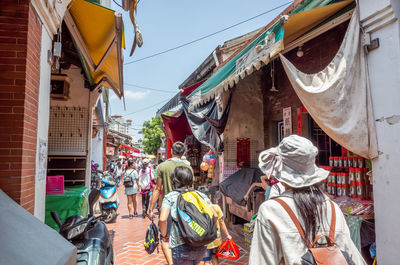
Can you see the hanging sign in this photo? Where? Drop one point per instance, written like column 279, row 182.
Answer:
column 287, row 121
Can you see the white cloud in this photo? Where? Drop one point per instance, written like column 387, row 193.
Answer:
column 133, row 95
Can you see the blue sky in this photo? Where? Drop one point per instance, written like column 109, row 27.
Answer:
column 167, row 24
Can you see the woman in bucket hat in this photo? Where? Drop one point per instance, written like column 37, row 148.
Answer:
column 276, row 239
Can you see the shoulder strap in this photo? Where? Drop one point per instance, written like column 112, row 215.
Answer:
column 298, row 226
column 333, row 224
column 294, row 219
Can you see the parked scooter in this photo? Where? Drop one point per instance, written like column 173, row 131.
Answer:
column 105, row 200
column 95, row 175
column 91, row 238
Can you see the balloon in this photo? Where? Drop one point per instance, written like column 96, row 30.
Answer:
column 206, row 158
column 204, row 166
column 212, row 161
column 212, row 156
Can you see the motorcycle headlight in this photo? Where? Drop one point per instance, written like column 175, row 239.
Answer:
column 76, row 231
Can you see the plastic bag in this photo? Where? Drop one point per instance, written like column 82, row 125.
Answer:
column 228, row 250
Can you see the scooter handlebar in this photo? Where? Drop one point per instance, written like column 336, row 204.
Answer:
column 56, row 218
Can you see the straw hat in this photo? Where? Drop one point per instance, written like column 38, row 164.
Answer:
column 293, row 162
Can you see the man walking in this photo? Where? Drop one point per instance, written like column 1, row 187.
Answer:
column 164, row 185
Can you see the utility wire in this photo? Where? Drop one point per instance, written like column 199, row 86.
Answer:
column 146, row 108
column 117, row 3
column 153, row 89
column 207, row 36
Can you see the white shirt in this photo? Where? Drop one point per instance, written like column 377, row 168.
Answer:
column 145, row 177
column 276, row 240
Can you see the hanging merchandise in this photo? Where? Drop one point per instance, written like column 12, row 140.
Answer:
column 204, row 166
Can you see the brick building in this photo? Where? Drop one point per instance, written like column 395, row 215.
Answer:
column 37, row 83
column 26, row 33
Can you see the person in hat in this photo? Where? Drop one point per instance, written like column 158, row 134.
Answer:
column 147, row 182
column 276, row 239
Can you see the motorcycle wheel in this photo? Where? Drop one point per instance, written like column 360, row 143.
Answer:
column 111, row 214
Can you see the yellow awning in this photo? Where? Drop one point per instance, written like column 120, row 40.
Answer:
column 98, row 33
column 300, row 23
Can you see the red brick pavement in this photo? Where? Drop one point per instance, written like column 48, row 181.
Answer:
column 129, row 237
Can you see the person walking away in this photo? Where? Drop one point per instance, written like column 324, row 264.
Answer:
column 119, row 171
column 212, row 248
column 286, row 235
column 164, row 186
column 182, row 254
column 146, row 181
column 131, row 183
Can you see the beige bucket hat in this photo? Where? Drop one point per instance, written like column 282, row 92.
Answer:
column 293, row 162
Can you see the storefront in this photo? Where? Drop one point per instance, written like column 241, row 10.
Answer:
column 269, row 102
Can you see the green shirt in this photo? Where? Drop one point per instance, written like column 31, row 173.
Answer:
column 164, row 171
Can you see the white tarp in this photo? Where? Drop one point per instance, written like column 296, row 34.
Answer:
column 338, row 97
column 26, row 240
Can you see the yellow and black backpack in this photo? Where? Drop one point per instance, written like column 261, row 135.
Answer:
column 196, row 222
column 151, row 241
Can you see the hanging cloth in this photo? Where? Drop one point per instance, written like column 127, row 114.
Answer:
column 338, row 97
column 205, row 125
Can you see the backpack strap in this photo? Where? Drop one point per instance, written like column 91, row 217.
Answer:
column 294, row 219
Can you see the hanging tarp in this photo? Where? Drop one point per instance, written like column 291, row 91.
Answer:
column 338, row 97
column 176, row 128
column 205, row 123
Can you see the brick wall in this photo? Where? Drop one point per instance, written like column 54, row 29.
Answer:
column 20, row 40
column 318, row 53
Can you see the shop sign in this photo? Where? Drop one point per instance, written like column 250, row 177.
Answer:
column 110, row 150
column 256, row 53
column 287, row 121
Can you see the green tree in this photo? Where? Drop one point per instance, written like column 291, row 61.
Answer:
column 151, row 135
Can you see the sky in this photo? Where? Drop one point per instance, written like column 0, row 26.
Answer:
column 167, row 24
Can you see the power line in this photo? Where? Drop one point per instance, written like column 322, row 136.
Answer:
column 117, row 4
column 207, row 36
column 153, row 89
column 146, row 108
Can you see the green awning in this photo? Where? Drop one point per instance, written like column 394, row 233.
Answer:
column 251, row 58
column 303, row 17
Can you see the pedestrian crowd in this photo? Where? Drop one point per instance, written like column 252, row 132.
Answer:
column 297, row 224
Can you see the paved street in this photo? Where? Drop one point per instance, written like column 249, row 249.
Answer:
column 129, row 237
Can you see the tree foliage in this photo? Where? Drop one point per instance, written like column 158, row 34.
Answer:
column 151, row 135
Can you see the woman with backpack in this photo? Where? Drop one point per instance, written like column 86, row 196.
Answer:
column 302, row 225
column 131, row 184
column 182, row 253
column 147, row 182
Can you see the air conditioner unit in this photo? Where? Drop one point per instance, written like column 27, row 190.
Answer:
column 59, row 86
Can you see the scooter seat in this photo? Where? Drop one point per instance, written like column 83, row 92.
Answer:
column 100, row 232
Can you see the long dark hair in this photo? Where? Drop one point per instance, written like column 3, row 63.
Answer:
column 182, row 177
column 310, row 203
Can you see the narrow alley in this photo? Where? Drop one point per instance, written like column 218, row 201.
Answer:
column 129, row 237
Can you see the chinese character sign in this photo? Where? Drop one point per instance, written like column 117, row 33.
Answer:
column 287, row 121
